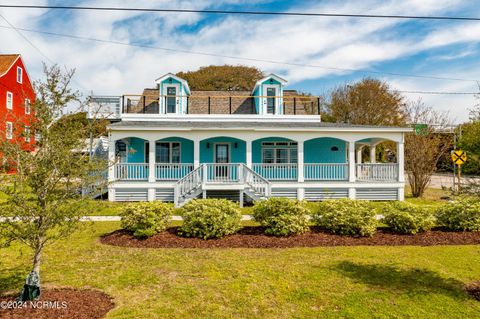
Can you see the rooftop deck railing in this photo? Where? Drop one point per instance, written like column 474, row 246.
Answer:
column 201, row 104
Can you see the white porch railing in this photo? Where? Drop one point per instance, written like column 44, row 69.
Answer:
column 131, row 171
column 165, row 171
column 276, row 171
column 256, row 182
column 188, row 185
column 326, row 172
column 222, row 173
column 377, row 172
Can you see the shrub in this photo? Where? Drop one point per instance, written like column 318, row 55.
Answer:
column 405, row 218
column 346, row 217
column 146, row 219
column 210, row 218
column 460, row 215
column 282, row 216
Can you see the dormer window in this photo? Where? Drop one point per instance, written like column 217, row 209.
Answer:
column 19, row 75
column 268, row 95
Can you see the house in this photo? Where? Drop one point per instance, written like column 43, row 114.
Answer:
column 174, row 144
column 16, row 98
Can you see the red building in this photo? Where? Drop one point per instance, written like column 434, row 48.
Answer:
column 16, row 100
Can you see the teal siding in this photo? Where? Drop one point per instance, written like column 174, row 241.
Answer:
column 136, row 150
column 257, row 147
column 237, row 155
column 260, row 91
column 182, row 92
column 319, row 150
column 256, row 92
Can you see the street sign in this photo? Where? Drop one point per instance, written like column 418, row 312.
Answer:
column 459, row 157
column 421, row 129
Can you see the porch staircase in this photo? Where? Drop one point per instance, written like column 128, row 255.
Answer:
column 234, row 177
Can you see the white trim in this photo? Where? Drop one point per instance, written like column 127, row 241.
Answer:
column 170, row 152
column 10, row 67
column 178, row 92
column 277, row 99
column 173, row 76
column 9, row 130
column 220, row 117
column 27, row 106
column 21, row 75
column 9, row 105
column 271, row 75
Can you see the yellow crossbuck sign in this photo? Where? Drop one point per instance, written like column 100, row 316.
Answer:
column 459, row 157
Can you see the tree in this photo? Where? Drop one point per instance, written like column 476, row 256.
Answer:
column 369, row 102
column 225, row 77
column 43, row 197
column 99, row 126
column 423, row 149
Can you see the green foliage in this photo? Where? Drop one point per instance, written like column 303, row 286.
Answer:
column 346, row 217
column 282, row 216
column 98, row 127
column 222, row 78
column 461, row 215
column 146, row 219
column 210, row 218
column 470, row 142
column 405, row 218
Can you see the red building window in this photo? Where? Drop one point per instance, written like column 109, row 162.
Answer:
column 19, row 74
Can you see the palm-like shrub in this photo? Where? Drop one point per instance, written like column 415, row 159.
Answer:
column 145, row 219
column 405, row 218
column 282, row 216
column 346, row 217
column 210, row 218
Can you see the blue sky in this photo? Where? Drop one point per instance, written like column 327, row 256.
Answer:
column 437, row 48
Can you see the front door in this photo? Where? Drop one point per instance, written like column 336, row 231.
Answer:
column 222, row 158
column 271, row 100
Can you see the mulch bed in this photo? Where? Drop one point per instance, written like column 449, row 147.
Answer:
column 473, row 289
column 58, row 304
column 253, row 237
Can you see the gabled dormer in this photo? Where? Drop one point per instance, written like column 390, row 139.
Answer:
column 268, row 95
column 173, row 93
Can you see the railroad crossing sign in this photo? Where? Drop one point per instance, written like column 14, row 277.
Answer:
column 459, row 157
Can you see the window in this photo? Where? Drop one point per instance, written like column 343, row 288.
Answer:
column 171, row 99
column 270, row 100
column 27, row 106
column 27, row 134
column 19, row 74
column 167, row 152
column 279, row 152
column 9, row 131
column 9, row 100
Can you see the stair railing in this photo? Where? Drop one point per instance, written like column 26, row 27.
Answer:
column 255, row 181
column 188, row 184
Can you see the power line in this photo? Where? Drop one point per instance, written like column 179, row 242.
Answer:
column 438, row 92
column 26, row 39
column 242, row 58
column 276, row 13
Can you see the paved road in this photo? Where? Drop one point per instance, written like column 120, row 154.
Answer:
column 446, row 180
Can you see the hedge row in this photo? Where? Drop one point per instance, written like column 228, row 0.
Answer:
column 215, row 218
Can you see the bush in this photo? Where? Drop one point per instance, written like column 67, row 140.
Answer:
column 210, row 218
column 146, row 219
column 346, row 217
column 460, row 215
column 405, row 218
column 282, row 216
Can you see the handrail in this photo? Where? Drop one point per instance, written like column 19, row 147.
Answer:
column 259, row 184
column 188, row 183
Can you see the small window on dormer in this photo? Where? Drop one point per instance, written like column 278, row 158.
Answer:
column 19, row 74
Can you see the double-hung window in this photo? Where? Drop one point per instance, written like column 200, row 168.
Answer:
column 166, row 152
column 27, row 106
column 9, row 100
column 19, row 74
column 279, row 152
column 9, row 131
column 27, row 134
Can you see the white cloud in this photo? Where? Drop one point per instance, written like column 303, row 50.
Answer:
column 331, row 42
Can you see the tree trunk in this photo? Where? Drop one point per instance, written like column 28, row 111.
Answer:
column 37, row 259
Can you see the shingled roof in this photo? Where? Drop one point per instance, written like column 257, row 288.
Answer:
column 6, row 61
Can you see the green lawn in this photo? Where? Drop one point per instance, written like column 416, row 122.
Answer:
column 336, row 282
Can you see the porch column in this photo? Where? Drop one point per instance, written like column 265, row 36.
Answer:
column 196, row 154
column 373, row 153
column 111, row 167
column 351, row 162
column 359, row 154
column 401, row 161
column 249, row 153
column 300, row 165
column 151, row 161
